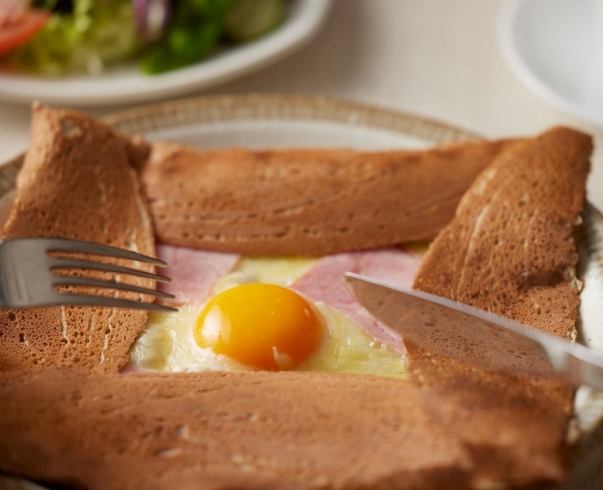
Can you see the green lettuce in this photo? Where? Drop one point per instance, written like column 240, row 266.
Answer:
column 88, row 35
column 193, row 34
column 94, row 34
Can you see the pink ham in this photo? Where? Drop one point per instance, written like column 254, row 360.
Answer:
column 324, row 282
column 193, row 272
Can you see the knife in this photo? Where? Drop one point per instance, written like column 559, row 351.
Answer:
column 476, row 336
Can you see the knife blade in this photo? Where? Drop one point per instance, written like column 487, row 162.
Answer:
column 476, row 336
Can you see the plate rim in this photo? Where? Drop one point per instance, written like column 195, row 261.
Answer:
column 274, row 105
column 255, row 106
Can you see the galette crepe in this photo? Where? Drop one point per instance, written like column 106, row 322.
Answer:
column 270, row 375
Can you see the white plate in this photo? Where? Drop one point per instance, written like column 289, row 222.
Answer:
column 555, row 47
column 298, row 121
column 126, row 84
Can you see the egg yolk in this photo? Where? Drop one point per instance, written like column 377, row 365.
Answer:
column 264, row 326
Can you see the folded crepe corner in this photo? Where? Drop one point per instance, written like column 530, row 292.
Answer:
column 511, row 249
column 76, row 182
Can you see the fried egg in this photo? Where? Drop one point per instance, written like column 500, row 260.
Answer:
column 253, row 320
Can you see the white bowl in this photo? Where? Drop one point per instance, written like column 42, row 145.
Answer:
column 126, row 84
column 555, row 47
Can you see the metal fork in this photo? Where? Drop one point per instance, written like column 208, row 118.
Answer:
column 29, row 274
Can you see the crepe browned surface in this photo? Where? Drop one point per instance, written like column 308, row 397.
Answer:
column 83, row 428
column 222, row 430
column 511, row 249
column 76, row 182
column 306, row 202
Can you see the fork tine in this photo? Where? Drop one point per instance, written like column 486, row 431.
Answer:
column 68, row 245
column 91, row 300
column 65, row 263
column 85, row 281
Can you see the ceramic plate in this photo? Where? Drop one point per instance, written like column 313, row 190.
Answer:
column 555, row 47
column 125, row 83
column 297, row 121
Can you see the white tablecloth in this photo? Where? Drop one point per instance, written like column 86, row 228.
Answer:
column 433, row 57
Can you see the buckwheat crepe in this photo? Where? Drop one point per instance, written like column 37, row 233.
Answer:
column 77, row 181
column 451, row 426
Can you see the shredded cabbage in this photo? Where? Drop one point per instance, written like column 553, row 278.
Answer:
column 96, row 33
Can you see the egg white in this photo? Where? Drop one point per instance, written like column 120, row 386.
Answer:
column 168, row 343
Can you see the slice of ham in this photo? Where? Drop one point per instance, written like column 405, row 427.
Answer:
column 193, row 272
column 324, row 282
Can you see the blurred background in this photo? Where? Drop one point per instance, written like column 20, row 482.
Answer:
column 463, row 62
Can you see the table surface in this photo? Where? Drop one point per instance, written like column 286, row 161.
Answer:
column 430, row 57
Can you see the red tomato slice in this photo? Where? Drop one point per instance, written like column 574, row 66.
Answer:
column 20, row 30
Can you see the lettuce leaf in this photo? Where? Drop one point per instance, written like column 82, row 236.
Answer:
column 96, row 33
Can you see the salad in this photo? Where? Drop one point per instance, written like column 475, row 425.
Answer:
column 57, row 37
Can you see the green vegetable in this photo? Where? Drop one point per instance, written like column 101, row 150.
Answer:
column 194, row 32
column 250, row 19
column 87, row 35
column 90, row 35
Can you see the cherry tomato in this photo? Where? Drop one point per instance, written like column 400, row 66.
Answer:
column 16, row 30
